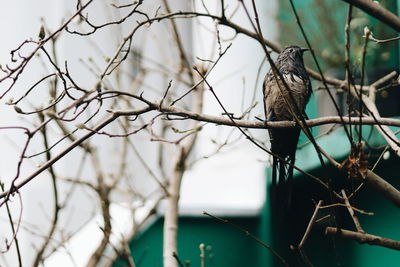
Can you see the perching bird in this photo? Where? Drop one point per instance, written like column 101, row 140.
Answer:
column 281, row 104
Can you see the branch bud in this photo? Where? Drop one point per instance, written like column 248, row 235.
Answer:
column 80, row 126
column 42, row 33
column 367, row 32
column 18, row 110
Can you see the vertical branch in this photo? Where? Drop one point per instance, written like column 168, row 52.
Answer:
column 103, row 192
column 14, row 231
column 170, row 230
column 105, row 209
column 57, row 207
column 171, row 213
column 202, row 255
column 347, row 50
column 223, row 16
column 364, row 53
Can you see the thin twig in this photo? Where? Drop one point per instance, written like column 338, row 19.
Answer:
column 310, row 225
column 175, row 255
column 351, row 211
column 381, row 41
column 14, row 230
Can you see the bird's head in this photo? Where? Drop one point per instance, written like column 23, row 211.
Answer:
column 291, row 56
column 293, row 51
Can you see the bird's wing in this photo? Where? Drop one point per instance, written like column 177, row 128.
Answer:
column 300, row 89
column 270, row 95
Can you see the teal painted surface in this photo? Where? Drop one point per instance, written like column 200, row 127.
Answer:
column 312, row 112
column 225, row 246
column 337, row 145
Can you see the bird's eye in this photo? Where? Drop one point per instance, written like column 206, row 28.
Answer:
column 291, row 50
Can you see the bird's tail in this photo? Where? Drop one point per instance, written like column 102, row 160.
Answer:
column 283, row 145
column 282, row 182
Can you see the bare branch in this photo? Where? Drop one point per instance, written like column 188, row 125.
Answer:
column 364, row 238
column 57, row 157
column 383, row 187
column 376, row 10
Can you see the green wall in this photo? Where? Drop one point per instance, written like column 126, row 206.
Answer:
column 225, row 246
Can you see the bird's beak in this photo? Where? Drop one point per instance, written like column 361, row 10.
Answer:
column 304, row 50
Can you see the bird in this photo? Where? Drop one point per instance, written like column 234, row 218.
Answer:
column 283, row 103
